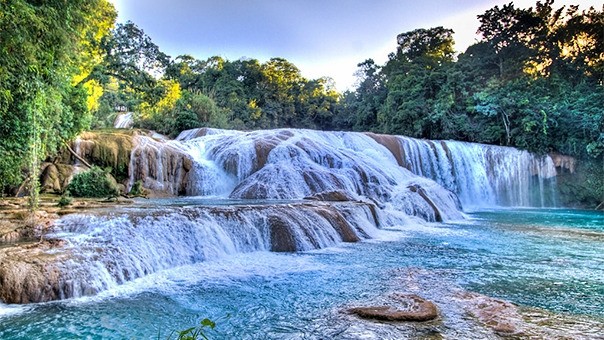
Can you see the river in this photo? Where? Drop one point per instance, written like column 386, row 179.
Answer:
column 549, row 262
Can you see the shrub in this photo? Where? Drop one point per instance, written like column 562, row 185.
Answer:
column 137, row 189
column 95, row 182
column 64, row 201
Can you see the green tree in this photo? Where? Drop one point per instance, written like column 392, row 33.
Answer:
column 416, row 77
column 368, row 98
column 46, row 51
column 280, row 86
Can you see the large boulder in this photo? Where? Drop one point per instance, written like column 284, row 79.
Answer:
column 111, row 148
column 38, row 265
column 54, row 177
column 403, row 307
column 161, row 166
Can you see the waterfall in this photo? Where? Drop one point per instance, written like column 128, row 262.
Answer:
column 100, row 251
column 286, row 164
column 294, row 163
column 483, row 175
column 302, row 190
column 123, row 121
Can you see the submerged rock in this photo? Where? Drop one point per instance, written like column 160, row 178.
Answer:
column 499, row 315
column 403, row 307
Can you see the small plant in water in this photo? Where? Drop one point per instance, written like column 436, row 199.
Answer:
column 195, row 333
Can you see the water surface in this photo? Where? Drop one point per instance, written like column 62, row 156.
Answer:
column 550, row 262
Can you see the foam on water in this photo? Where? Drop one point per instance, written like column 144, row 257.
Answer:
column 11, row 310
column 107, row 249
column 224, row 271
column 481, row 175
column 303, row 295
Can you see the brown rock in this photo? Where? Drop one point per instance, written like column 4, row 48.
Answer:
column 419, row 190
column 499, row 315
column 121, row 189
column 333, row 196
column 28, row 274
column 264, row 146
column 339, row 223
column 563, row 163
column 393, row 145
column 163, row 170
column 106, row 149
column 282, row 239
column 409, row 307
column 50, row 178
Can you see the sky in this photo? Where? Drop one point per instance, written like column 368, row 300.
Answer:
column 323, row 38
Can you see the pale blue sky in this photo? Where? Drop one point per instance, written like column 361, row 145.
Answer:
column 322, row 38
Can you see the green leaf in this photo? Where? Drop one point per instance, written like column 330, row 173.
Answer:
column 208, row 323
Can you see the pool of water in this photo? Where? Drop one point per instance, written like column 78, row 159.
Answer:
column 549, row 262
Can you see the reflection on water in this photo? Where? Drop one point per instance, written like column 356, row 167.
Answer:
column 549, row 262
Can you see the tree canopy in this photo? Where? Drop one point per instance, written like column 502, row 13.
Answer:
column 534, row 80
column 46, row 49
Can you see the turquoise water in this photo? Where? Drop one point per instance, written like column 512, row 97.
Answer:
column 547, row 259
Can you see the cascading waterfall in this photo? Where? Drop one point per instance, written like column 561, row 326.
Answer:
column 291, row 164
column 337, row 187
column 483, row 175
column 123, row 121
column 101, row 251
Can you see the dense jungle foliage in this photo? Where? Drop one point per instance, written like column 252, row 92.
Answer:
column 534, row 80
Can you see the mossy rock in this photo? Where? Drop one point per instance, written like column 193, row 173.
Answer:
column 109, row 148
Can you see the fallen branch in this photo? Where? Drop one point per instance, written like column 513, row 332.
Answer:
column 78, row 156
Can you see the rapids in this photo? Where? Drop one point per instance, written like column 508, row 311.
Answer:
column 315, row 189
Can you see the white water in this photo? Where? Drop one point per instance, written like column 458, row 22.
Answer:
column 483, row 175
column 285, row 164
column 123, row 121
column 527, row 257
column 111, row 249
column 293, row 163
